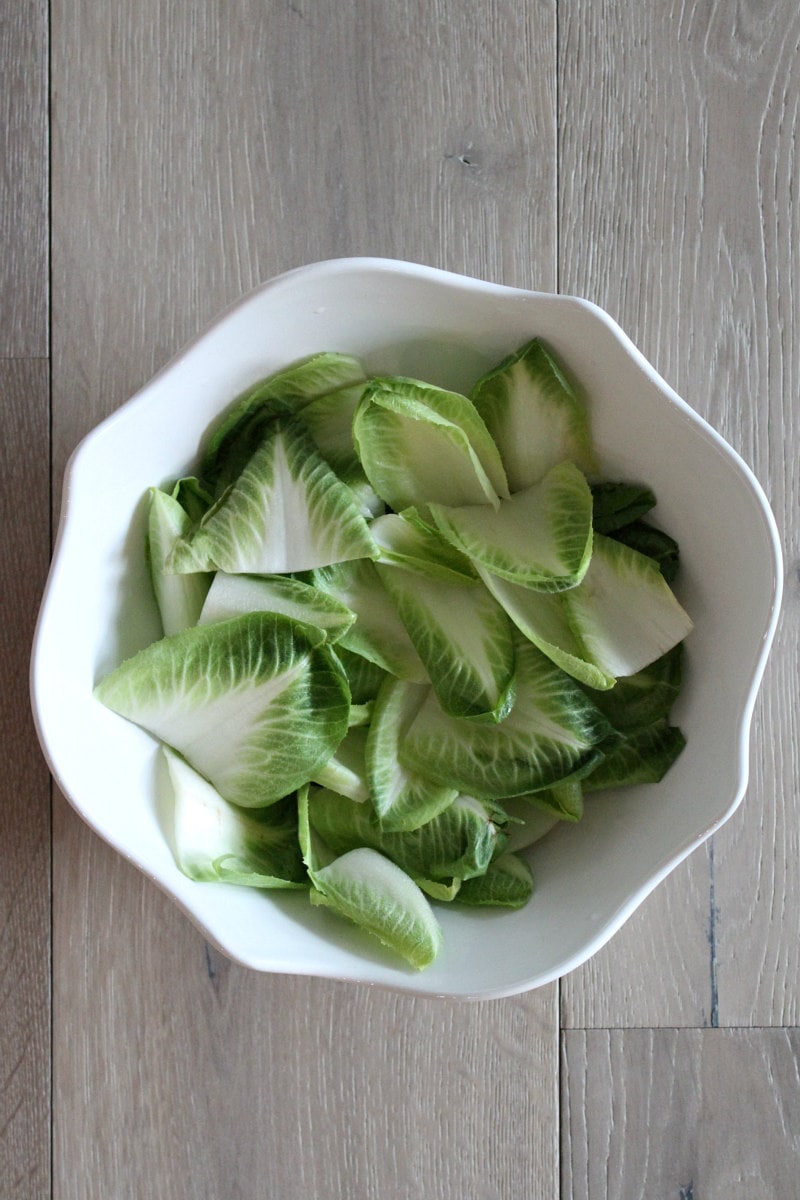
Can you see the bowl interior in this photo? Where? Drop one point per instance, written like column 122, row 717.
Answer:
column 98, row 608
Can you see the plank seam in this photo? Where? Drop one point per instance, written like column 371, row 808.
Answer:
column 712, row 940
column 51, row 530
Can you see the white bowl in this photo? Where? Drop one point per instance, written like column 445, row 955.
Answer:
column 446, row 329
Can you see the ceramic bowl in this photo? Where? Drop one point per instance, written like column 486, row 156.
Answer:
column 446, row 329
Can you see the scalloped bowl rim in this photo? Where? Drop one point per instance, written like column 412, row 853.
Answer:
column 307, row 942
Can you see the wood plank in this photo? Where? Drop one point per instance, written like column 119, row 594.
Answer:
column 23, row 182
column 757, row 889
column 630, row 208
column 706, row 1113
column 196, row 155
column 757, row 892
column 198, row 150
column 25, row 808
column 218, row 1081
column 657, row 968
column 676, row 166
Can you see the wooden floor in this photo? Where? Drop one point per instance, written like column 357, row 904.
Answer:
column 160, row 158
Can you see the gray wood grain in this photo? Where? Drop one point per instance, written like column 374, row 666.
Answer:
column 23, row 180
column 630, row 218
column 711, row 1114
column 757, row 887
column 677, row 127
column 657, row 969
column 25, row 806
column 639, row 154
column 198, row 150
column 217, row 1081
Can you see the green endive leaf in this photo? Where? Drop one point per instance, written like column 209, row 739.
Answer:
column 404, row 541
column 463, row 637
column 618, row 504
column 171, row 515
column 402, row 798
column 235, row 595
column 215, row 840
column 654, row 543
column 379, row 897
column 536, row 416
column 459, row 842
column 316, row 854
column 507, row 883
column 624, row 612
column 239, row 431
column 419, row 443
column 364, row 676
column 378, row 633
column 541, row 537
column 542, row 618
column 345, row 772
column 565, row 799
column 329, row 420
column 553, row 732
column 287, row 511
column 646, row 696
column 643, row 755
column 255, row 704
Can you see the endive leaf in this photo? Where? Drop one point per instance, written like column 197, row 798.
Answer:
column 255, row 704
column 378, row 896
column 654, row 543
column 235, row 595
column 237, row 434
column 179, row 598
column 402, row 798
column 463, row 637
column 404, row 542
column 536, row 416
column 542, row 618
column 541, row 537
column 507, row 883
column 419, row 443
column 624, row 611
column 286, row 512
column 565, row 799
column 618, row 504
column 643, row 756
column 215, row 840
column 329, row 420
column 345, row 772
column 378, row 633
column 647, row 696
column 459, row 842
column 553, row 732
column 363, row 676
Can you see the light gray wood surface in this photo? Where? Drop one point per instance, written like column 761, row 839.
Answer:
column 23, row 154
column 231, row 150
column 689, row 1113
column 25, row 806
column 642, row 155
column 25, row 541
column 678, row 170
